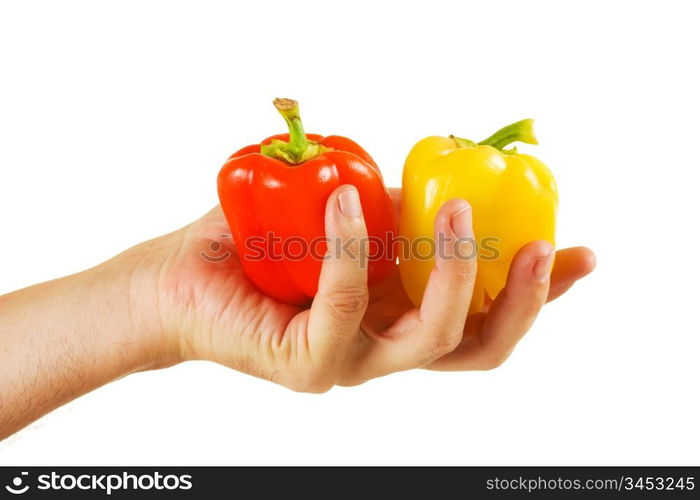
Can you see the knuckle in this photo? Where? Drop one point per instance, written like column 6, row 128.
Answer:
column 348, row 301
column 533, row 305
column 529, row 301
column 356, row 247
column 466, row 269
column 459, row 267
column 443, row 344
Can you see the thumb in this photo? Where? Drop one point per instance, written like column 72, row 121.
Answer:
column 342, row 296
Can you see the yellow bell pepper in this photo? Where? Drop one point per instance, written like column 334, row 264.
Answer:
column 513, row 197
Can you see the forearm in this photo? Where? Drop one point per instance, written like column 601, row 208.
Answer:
column 63, row 338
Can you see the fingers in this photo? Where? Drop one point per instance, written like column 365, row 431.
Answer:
column 443, row 312
column 342, row 297
column 212, row 226
column 571, row 265
column 423, row 335
column 215, row 212
column 516, row 307
column 511, row 314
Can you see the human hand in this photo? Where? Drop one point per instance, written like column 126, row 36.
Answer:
column 208, row 309
column 170, row 300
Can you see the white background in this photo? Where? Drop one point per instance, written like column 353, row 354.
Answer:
column 115, row 118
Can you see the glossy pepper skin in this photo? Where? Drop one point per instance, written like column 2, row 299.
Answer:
column 513, row 196
column 274, row 196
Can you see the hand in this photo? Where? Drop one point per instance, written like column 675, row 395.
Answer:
column 490, row 335
column 210, row 310
column 184, row 296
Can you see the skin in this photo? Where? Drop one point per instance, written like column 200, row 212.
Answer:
column 161, row 303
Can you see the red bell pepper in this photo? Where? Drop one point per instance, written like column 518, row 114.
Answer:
column 274, row 195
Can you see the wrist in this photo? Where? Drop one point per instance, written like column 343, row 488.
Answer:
column 129, row 285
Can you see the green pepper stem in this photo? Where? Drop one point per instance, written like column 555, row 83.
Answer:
column 299, row 148
column 521, row 131
column 289, row 109
column 462, row 143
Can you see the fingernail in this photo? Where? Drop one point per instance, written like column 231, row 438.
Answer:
column 349, row 203
column 543, row 266
column 461, row 221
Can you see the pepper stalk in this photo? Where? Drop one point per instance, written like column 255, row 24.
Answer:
column 299, row 148
column 521, row 131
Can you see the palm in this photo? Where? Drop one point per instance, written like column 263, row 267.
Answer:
column 207, row 279
column 206, row 283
